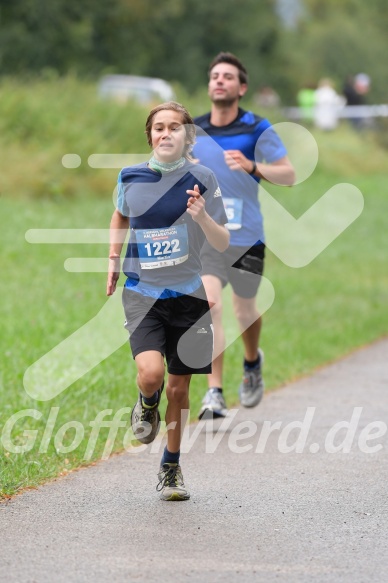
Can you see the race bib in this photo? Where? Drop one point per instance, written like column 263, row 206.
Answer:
column 162, row 247
column 233, row 209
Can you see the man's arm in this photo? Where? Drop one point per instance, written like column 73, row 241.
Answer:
column 279, row 172
column 119, row 226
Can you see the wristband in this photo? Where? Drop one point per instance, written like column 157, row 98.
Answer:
column 253, row 169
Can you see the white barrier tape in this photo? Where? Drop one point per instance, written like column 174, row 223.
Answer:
column 347, row 111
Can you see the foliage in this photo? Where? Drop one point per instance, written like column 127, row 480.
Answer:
column 176, row 39
column 338, row 40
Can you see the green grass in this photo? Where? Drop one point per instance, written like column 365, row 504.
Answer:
column 320, row 312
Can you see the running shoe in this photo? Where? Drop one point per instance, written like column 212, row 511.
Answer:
column 251, row 388
column 145, row 419
column 171, row 485
column 213, row 405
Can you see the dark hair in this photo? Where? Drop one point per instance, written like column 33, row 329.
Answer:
column 187, row 120
column 231, row 60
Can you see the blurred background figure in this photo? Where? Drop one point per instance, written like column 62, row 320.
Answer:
column 327, row 105
column 355, row 91
column 362, row 85
column 306, row 100
column 266, row 97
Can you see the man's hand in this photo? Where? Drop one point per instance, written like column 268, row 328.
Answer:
column 237, row 161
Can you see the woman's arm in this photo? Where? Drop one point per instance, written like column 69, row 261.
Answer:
column 217, row 235
column 119, row 226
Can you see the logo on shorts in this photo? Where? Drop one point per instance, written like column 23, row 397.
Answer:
column 201, row 331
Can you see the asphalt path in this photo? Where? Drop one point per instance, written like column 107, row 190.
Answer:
column 294, row 490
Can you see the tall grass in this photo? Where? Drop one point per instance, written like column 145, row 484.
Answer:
column 42, row 121
column 320, row 312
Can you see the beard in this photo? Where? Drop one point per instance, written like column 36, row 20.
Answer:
column 224, row 101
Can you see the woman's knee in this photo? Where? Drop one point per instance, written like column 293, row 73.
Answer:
column 150, row 376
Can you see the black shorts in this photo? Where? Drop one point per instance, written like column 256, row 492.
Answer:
column 179, row 328
column 240, row 267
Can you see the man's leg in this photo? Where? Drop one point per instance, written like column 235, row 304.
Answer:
column 213, row 289
column 249, row 321
column 252, row 386
column 213, row 404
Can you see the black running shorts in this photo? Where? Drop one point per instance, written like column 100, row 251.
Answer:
column 179, row 328
column 238, row 266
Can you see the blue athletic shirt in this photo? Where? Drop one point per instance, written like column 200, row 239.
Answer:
column 257, row 140
column 162, row 258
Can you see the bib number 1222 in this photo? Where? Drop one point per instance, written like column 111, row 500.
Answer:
column 162, row 247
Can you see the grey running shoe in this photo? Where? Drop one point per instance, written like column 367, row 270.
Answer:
column 213, row 405
column 252, row 386
column 171, row 485
column 145, row 420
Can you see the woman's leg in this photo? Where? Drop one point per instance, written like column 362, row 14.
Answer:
column 171, row 485
column 150, row 372
column 177, row 392
column 145, row 417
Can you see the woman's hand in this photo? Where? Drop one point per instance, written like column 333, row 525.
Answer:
column 217, row 235
column 196, row 205
column 113, row 275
